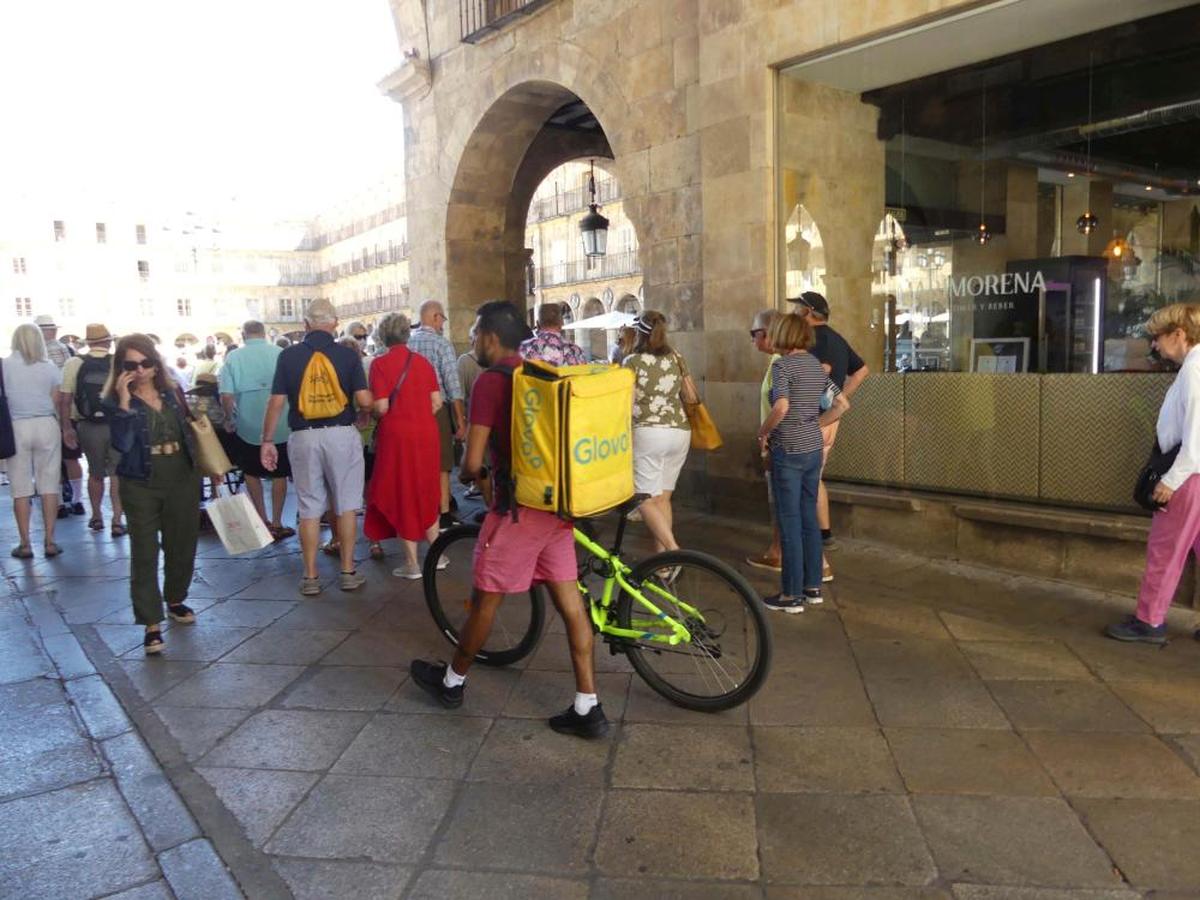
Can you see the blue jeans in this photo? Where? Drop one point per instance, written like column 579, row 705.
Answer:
column 795, row 478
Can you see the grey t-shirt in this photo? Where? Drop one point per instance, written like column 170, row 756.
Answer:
column 29, row 387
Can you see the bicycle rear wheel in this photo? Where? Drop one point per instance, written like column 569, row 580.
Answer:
column 519, row 620
column 729, row 654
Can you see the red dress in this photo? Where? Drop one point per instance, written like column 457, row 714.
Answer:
column 405, row 493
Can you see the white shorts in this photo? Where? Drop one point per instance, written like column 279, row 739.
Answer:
column 658, row 455
column 36, row 467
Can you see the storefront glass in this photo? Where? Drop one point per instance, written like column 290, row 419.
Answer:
column 1013, row 223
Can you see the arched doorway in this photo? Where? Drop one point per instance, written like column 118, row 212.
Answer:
column 593, row 340
column 534, row 127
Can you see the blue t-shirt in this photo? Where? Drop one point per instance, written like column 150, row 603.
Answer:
column 289, row 375
column 248, row 374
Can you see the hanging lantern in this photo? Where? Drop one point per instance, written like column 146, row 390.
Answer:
column 593, row 227
column 1087, row 223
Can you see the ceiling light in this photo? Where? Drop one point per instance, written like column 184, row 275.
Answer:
column 1087, row 223
column 1149, row 188
column 1070, row 174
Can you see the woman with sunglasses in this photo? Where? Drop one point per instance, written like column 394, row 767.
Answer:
column 160, row 484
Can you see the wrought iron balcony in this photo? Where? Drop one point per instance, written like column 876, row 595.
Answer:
column 612, row 266
column 564, row 203
column 479, row 18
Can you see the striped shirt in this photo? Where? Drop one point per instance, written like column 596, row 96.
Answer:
column 426, row 342
column 801, row 379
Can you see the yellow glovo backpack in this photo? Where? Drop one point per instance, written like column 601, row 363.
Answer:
column 321, row 394
column 572, row 437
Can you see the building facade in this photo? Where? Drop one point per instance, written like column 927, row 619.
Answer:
column 559, row 270
column 189, row 277
column 956, row 176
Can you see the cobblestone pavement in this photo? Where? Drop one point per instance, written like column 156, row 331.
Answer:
column 932, row 732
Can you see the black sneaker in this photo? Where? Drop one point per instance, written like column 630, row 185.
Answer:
column 593, row 725
column 812, row 597
column 63, row 511
column 430, row 677
column 1134, row 629
column 78, row 510
column 182, row 613
column 776, row 602
column 446, row 520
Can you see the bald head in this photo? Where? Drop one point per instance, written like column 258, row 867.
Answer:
column 432, row 314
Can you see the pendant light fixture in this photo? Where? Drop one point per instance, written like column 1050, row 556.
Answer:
column 983, row 235
column 1087, row 223
column 593, row 227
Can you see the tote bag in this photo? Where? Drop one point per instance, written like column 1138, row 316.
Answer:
column 212, row 460
column 705, row 435
column 239, row 527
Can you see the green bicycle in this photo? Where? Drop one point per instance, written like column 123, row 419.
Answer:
column 692, row 627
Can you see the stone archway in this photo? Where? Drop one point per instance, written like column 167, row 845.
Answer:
column 594, row 340
column 511, row 149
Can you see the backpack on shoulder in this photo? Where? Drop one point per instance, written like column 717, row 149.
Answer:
column 89, row 386
column 572, row 437
column 321, row 395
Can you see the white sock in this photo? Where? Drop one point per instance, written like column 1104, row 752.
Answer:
column 584, row 703
column 76, row 490
column 453, row 679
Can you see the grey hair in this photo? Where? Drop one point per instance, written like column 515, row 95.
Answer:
column 320, row 312
column 428, row 306
column 28, row 341
column 765, row 319
column 254, row 327
column 393, row 329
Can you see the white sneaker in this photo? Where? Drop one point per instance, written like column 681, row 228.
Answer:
column 443, row 563
column 411, row 573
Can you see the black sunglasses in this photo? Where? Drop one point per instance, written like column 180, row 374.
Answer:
column 755, row 332
column 130, row 366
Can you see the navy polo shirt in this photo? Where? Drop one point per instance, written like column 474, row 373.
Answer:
column 289, row 374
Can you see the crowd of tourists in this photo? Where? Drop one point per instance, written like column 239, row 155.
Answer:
column 379, row 433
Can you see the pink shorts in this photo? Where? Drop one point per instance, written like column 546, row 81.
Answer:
column 511, row 556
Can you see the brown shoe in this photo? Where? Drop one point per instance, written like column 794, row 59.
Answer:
column 765, row 562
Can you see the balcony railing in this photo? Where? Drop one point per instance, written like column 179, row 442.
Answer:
column 385, row 257
column 567, row 202
column 479, row 18
column 386, row 303
column 611, row 266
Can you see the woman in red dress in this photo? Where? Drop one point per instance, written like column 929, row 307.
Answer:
column 404, row 496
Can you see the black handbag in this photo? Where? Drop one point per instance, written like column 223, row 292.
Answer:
column 1156, row 467
column 8, row 440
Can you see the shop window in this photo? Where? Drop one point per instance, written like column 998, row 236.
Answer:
column 804, row 253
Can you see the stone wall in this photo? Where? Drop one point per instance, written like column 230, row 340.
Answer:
column 685, row 91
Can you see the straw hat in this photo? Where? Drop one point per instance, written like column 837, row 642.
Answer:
column 97, row 334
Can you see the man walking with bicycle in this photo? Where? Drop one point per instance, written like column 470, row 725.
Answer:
column 517, row 548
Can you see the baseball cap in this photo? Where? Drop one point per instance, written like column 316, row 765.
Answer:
column 814, row 301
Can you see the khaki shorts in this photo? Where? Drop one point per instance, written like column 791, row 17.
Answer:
column 445, row 422
column 35, row 467
column 96, row 441
column 828, row 436
column 327, row 469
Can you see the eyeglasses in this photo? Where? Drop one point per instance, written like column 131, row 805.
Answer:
column 756, row 333
column 130, row 366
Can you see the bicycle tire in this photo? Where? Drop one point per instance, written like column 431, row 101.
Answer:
column 510, row 645
column 640, row 655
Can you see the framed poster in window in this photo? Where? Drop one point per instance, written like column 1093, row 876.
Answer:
column 1000, row 355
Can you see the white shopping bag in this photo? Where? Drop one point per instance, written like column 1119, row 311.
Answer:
column 238, row 526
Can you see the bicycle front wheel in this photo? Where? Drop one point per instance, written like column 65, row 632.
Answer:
column 448, row 588
column 729, row 653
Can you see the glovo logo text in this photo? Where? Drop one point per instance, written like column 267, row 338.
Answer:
column 593, row 448
column 531, row 405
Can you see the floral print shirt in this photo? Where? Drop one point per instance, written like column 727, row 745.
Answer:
column 658, row 381
column 551, row 347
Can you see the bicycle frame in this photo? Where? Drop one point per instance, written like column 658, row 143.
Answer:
column 616, row 575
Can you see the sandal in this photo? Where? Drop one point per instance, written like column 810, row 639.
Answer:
column 376, row 550
column 52, row 550
column 153, row 642
column 281, row 532
column 119, row 530
column 331, row 548
column 96, row 524
column 22, row 551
